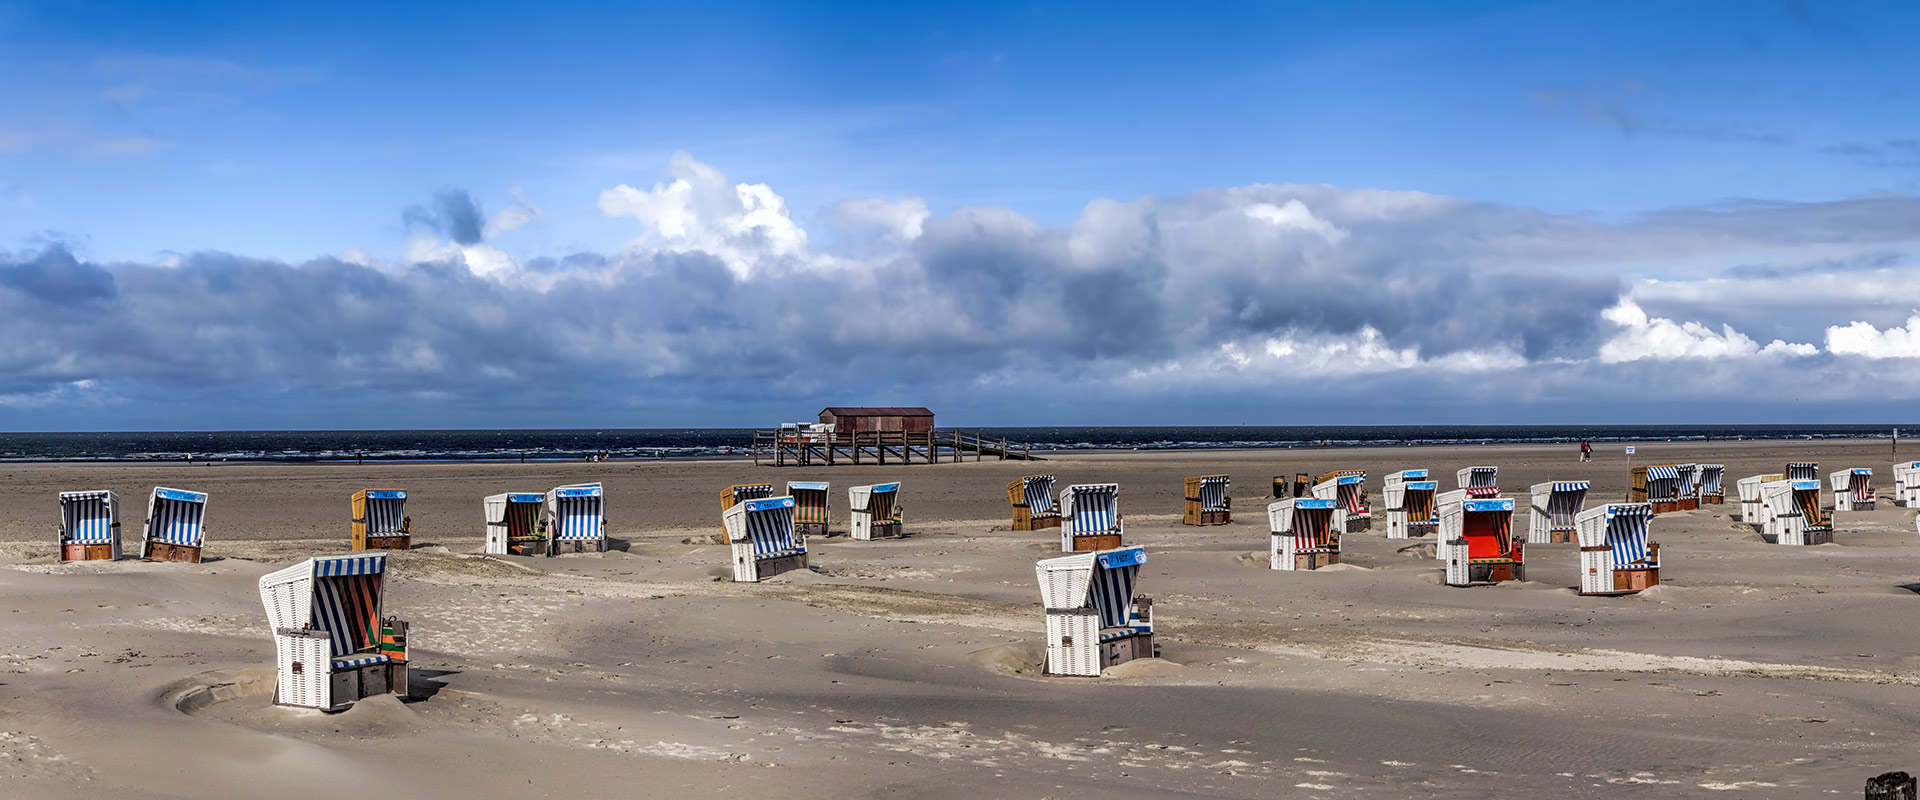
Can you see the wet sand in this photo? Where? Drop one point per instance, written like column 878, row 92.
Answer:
column 910, row 667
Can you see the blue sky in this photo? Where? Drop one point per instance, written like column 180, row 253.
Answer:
column 1653, row 158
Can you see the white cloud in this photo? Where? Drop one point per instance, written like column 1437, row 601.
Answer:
column 1295, row 215
column 1863, row 339
column 746, row 225
column 514, row 217
column 1644, row 337
column 894, row 221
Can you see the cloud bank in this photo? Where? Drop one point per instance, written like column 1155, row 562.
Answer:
column 1262, row 301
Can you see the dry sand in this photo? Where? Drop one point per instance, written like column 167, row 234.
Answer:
column 910, row 668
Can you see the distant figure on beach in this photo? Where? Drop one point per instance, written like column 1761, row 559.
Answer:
column 1586, row 451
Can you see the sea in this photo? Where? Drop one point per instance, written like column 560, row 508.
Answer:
column 670, row 443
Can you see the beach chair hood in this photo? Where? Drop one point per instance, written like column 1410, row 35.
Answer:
column 1103, row 581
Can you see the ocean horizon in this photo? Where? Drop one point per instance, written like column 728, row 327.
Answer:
column 664, row 443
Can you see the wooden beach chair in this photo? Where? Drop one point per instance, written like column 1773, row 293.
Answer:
column 1303, row 532
column 176, row 525
column 1713, row 486
column 1687, row 488
column 1094, row 618
column 1347, row 489
column 1409, row 497
column 1090, row 518
column 89, row 526
column 380, row 520
column 1207, row 502
column 739, row 493
column 576, row 519
column 1615, row 556
column 874, row 511
column 1555, row 506
column 1477, row 541
column 1479, row 481
column 764, row 540
column 1853, row 490
column 1031, row 497
column 332, row 643
column 811, row 511
column 514, row 524
column 1658, row 486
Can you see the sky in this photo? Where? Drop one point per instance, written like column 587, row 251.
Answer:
column 261, row 216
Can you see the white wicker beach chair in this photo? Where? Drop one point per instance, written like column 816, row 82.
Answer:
column 875, row 511
column 764, row 540
column 333, row 645
column 176, row 525
column 1304, row 535
column 1555, row 505
column 1094, row 619
column 1615, row 556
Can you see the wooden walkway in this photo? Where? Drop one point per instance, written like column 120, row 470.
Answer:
column 785, row 449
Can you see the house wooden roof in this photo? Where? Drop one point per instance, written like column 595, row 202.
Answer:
column 881, row 411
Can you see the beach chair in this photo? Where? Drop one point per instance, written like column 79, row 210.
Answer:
column 1094, row 619
column 1752, row 510
column 763, row 539
column 1906, row 484
column 1686, row 490
column 514, row 524
column 1207, row 501
column 811, row 512
column 1304, row 534
column 89, row 526
column 1657, row 486
column 1853, row 489
column 1793, row 513
column 1409, row 497
column 333, row 645
column 380, row 520
column 1349, row 495
column 576, row 519
column 1615, row 556
column 1479, row 481
column 1555, row 506
column 1032, row 499
column 175, row 527
column 875, row 511
column 1803, row 471
column 1713, row 486
column 1477, row 542
column 1090, row 518
column 739, row 493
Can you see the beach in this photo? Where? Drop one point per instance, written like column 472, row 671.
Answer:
column 911, row 667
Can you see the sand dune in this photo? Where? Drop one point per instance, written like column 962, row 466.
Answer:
column 910, row 667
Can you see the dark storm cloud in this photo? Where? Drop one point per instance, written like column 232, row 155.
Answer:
column 55, row 276
column 454, row 214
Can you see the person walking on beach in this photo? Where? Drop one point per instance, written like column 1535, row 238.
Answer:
column 1586, row 451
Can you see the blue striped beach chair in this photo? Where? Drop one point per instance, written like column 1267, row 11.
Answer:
column 515, row 526
column 764, row 540
column 89, row 526
column 380, row 520
column 1094, row 618
column 1713, row 484
column 1090, row 518
column 576, row 518
column 874, row 511
column 1207, row 502
column 333, row 645
column 1032, row 499
column 1304, row 535
column 1687, row 490
column 176, row 526
column 1615, row 556
column 1556, row 508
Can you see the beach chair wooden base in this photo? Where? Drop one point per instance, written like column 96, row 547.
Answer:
column 86, row 552
column 769, row 567
column 1562, row 537
column 1358, row 524
column 1862, row 505
column 1121, row 651
column 1494, row 573
column 1712, row 499
column 358, row 683
column 1688, row 504
column 1633, row 580
column 400, row 542
column 1314, row 560
column 885, row 530
column 810, row 528
column 579, row 546
column 1204, row 518
column 162, row 551
column 1088, row 544
column 1025, row 522
column 1819, row 537
column 1665, row 506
